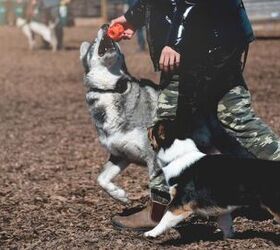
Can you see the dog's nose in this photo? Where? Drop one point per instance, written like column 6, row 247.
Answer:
column 105, row 26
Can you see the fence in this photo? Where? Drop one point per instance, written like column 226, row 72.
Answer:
column 263, row 10
column 258, row 10
column 93, row 8
column 9, row 10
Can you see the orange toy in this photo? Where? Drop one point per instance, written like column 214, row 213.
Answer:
column 115, row 31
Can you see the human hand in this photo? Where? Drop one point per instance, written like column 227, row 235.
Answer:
column 169, row 59
column 129, row 30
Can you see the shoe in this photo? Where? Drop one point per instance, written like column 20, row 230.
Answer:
column 143, row 220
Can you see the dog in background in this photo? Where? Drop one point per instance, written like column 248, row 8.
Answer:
column 32, row 28
column 212, row 185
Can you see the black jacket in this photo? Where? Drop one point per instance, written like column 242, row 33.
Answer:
column 193, row 26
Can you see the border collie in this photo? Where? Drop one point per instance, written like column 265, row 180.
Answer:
column 212, row 185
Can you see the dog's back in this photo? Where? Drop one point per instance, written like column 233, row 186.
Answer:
column 220, row 181
column 218, row 184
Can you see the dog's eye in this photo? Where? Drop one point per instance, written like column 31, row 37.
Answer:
column 121, row 85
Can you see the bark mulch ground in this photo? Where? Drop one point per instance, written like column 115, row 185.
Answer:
column 50, row 155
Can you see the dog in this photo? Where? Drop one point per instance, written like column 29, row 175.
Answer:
column 33, row 28
column 122, row 109
column 212, row 185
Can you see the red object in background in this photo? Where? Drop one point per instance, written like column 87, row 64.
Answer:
column 115, row 31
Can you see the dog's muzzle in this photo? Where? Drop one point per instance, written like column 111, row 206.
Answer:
column 107, row 45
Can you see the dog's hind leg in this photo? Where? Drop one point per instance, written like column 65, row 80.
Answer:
column 111, row 169
column 225, row 224
column 170, row 219
column 30, row 36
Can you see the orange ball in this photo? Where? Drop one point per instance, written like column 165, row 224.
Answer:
column 115, row 31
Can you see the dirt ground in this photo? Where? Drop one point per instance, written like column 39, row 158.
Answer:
column 50, row 154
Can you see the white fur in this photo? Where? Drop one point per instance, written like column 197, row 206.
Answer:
column 168, row 221
column 177, row 149
column 176, row 167
column 102, row 78
column 181, row 155
column 110, row 171
column 32, row 28
column 120, row 144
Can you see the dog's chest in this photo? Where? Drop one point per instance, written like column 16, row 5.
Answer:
column 132, row 144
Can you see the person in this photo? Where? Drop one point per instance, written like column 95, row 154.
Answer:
column 10, row 14
column 206, row 39
column 29, row 10
column 140, row 31
column 49, row 12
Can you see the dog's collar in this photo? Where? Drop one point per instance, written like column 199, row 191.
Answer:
column 116, row 90
column 120, row 88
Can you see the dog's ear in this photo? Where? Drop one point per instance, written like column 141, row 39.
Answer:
column 84, row 49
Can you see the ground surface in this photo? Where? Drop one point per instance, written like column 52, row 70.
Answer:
column 50, row 155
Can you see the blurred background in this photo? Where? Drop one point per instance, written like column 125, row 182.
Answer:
column 50, row 155
column 258, row 10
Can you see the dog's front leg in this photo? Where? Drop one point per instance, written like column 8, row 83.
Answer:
column 225, row 224
column 168, row 221
column 111, row 169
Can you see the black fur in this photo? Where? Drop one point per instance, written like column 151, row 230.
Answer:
column 222, row 180
column 100, row 115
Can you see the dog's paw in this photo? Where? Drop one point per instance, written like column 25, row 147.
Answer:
column 120, row 195
column 124, row 200
column 150, row 234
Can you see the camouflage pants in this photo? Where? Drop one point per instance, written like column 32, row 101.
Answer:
column 166, row 109
column 237, row 118
column 168, row 99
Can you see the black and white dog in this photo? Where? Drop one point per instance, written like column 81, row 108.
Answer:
column 33, row 28
column 212, row 185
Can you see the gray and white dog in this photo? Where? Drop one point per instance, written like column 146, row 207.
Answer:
column 122, row 108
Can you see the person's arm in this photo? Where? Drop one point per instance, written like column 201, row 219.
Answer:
column 180, row 15
column 133, row 19
column 170, row 55
column 135, row 15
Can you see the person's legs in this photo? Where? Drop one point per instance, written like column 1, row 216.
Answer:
column 152, row 214
column 55, row 16
column 166, row 110
column 240, row 121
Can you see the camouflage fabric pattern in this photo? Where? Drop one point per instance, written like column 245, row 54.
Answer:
column 239, row 120
column 168, row 99
column 166, row 109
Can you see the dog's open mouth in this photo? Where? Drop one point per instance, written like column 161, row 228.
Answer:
column 106, row 44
